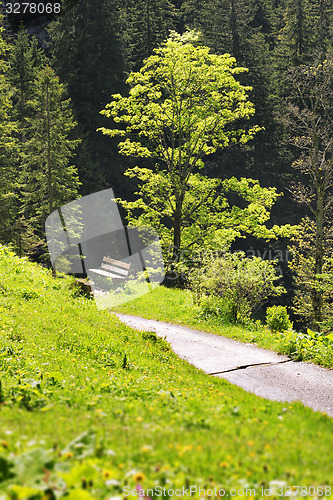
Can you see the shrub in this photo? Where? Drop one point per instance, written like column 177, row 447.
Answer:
column 242, row 284
column 277, row 319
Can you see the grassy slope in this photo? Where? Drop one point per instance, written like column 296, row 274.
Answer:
column 176, row 306
column 68, row 369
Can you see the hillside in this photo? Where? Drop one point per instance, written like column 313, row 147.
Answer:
column 89, row 406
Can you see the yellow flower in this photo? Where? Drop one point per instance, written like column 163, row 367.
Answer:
column 69, row 454
column 138, row 477
column 106, row 474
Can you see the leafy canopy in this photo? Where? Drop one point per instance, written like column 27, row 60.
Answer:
column 180, row 105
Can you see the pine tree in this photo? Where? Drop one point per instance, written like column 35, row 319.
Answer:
column 148, row 24
column 49, row 177
column 8, row 151
column 306, row 31
column 321, row 23
column 25, row 59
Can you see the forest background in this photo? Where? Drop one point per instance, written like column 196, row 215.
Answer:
column 89, row 51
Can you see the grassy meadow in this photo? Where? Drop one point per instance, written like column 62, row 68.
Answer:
column 89, row 406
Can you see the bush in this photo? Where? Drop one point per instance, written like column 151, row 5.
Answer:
column 241, row 284
column 277, row 319
column 310, row 346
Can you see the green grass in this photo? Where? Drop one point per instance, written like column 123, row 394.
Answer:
column 176, row 306
column 89, row 405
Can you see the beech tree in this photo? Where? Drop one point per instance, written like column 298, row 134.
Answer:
column 183, row 105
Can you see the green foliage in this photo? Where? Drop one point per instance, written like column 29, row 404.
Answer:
column 248, row 30
column 277, row 319
column 179, row 109
column 89, row 48
column 295, row 34
column 310, row 346
column 208, row 221
column 310, row 120
column 305, row 32
column 147, row 26
column 24, row 58
column 241, row 284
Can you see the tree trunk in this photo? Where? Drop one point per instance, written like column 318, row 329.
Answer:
column 49, row 167
column 234, row 30
column 177, row 217
column 317, row 293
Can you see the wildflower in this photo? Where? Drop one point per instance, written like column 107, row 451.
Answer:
column 106, row 474
column 139, row 477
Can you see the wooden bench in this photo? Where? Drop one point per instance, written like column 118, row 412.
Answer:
column 111, row 268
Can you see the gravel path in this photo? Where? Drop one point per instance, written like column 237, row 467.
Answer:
column 265, row 373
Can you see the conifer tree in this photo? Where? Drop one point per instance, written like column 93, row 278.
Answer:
column 8, row 150
column 49, row 177
column 149, row 22
column 94, row 45
column 25, row 59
